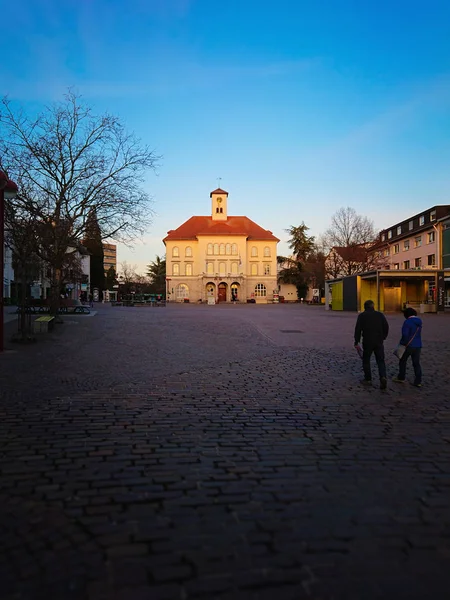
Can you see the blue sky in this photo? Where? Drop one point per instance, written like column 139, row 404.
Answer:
column 300, row 107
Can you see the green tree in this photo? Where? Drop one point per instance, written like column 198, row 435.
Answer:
column 301, row 244
column 156, row 271
column 93, row 243
column 111, row 278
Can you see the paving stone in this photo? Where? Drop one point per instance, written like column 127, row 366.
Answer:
column 241, row 463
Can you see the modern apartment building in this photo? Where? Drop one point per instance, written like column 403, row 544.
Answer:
column 109, row 257
column 415, row 257
column 417, row 242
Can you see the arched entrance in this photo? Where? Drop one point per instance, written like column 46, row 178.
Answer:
column 235, row 291
column 182, row 292
column 222, row 292
column 210, row 290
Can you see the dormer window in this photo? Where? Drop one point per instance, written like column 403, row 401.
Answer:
column 421, row 220
column 389, row 234
column 399, row 230
column 383, row 237
column 433, row 215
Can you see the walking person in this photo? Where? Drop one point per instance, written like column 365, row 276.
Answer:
column 374, row 328
column 412, row 340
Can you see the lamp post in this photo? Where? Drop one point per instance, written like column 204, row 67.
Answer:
column 8, row 189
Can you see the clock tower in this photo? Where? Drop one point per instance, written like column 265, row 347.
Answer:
column 219, row 200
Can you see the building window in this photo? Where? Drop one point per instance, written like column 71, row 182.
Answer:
column 228, row 249
column 411, row 225
column 175, row 251
column 418, row 241
column 267, row 269
column 260, row 290
column 386, row 252
column 188, row 269
column 399, row 230
column 188, row 251
column 175, row 269
column 406, row 245
column 210, row 249
column 396, row 248
column 182, row 291
column 418, row 262
column 389, row 234
column 431, row 237
column 421, row 220
column 234, row 249
column 431, row 260
column 234, row 268
column 406, row 264
column 222, row 249
column 210, row 268
column 433, row 215
column 383, row 237
column 266, row 251
column 396, row 266
column 222, row 268
column 254, row 251
column 254, row 269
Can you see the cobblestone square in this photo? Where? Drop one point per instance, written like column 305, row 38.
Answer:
column 221, row 452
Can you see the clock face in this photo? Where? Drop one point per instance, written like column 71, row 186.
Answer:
column 219, row 200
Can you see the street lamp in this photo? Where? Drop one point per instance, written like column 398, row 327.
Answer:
column 8, row 189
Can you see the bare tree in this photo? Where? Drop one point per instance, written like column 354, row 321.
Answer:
column 347, row 244
column 67, row 162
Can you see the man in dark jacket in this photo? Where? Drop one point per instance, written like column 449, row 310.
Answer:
column 374, row 329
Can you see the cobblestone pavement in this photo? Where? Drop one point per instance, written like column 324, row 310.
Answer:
column 221, row 452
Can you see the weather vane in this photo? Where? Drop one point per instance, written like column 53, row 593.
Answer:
column 219, row 179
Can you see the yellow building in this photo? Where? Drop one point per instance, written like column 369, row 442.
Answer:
column 220, row 258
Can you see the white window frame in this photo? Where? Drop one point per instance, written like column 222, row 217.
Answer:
column 421, row 220
column 260, row 290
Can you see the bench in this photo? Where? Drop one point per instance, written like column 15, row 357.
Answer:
column 43, row 324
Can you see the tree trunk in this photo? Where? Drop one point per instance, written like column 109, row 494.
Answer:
column 55, row 294
column 23, row 307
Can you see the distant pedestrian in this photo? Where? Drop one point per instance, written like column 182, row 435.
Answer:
column 412, row 341
column 374, row 328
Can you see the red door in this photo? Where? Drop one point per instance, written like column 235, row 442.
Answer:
column 222, row 293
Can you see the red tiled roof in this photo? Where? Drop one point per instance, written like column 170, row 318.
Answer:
column 232, row 226
column 218, row 191
column 352, row 253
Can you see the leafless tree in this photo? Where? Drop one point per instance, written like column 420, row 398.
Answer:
column 67, row 161
column 348, row 243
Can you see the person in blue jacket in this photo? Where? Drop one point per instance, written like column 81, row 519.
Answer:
column 412, row 339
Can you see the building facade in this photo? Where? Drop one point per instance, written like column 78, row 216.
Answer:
column 221, row 258
column 109, row 257
column 416, row 269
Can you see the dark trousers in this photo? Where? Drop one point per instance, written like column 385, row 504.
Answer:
column 378, row 350
column 414, row 353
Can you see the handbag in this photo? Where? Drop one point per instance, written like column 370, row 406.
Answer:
column 400, row 349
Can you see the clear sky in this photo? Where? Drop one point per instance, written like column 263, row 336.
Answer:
column 300, row 107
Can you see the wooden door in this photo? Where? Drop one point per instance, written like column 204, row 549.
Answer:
column 222, row 293
column 392, row 299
